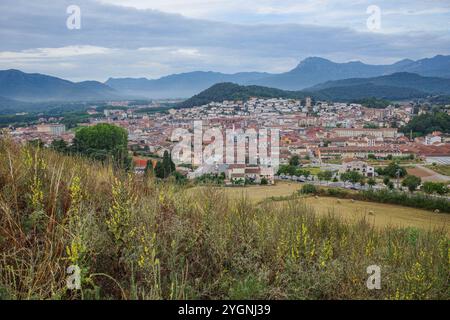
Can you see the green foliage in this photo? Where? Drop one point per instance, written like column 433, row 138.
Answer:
column 373, row 103
column 166, row 168
column 231, row 91
column 325, row 175
column 179, row 178
column 435, row 187
column 393, row 170
column 160, row 172
column 414, row 200
column 411, row 182
column 60, row 145
column 211, row 178
column 103, row 142
column 427, row 123
column 294, row 161
column 308, row 189
column 371, row 125
column 371, row 182
column 293, row 171
column 352, row 176
column 37, row 143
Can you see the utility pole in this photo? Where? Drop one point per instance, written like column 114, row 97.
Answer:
column 398, row 178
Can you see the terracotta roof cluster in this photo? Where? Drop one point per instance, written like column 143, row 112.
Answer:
column 427, row 150
column 361, row 149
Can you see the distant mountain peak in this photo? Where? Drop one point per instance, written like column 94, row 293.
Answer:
column 313, row 60
column 35, row 87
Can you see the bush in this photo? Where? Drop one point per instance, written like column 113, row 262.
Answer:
column 335, row 192
column 352, row 176
column 409, row 200
column 388, row 196
column 435, row 187
column 392, row 170
column 411, row 182
column 309, row 189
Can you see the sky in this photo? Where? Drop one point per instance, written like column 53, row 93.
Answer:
column 154, row 38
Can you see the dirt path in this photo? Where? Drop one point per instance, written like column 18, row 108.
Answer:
column 427, row 174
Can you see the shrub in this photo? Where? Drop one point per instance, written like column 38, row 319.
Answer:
column 411, row 182
column 352, row 176
column 309, row 189
column 392, row 170
column 435, row 187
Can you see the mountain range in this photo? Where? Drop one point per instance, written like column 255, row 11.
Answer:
column 397, row 86
column 181, row 85
column 320, row 77
column 309, row 72
column 35, row 87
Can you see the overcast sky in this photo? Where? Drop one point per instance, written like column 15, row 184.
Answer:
column 153, row 38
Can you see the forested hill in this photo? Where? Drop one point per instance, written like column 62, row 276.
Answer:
column 231, row 91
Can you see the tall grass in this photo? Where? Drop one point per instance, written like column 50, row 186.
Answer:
column 138, row 239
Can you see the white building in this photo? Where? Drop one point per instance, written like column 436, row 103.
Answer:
column 53, row 129
column 359, row 166
column 432, row 139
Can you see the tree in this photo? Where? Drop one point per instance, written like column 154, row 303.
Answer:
column 392, row 170
column 386, row 180
column 411, row 182
column 427, row 123
column 294, row 161
column 159, row 170
column 371, row 125
column 103, row 142
column 325, row 175
column 288, row 170
column 59, row 145
column 371, row 182
column 168, row 164
column 264, row 182
column 166, row 167
column 352, row 176
column 37, row 143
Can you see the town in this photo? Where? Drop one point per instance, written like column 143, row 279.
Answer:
column 324, row 136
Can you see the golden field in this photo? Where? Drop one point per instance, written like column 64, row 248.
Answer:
column 379, row 214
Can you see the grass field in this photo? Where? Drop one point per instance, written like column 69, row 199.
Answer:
column 383, row 214
column 313, row 170
column 140, row 238
column 442, row 169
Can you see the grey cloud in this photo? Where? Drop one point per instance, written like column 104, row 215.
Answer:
column 226, row 47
